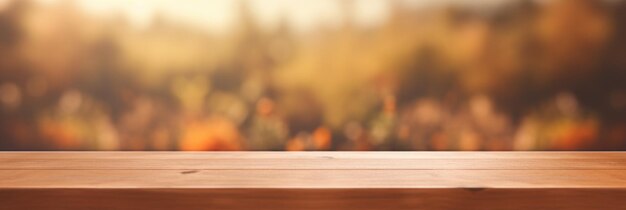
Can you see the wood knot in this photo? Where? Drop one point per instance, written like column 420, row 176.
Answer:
column 189, row 172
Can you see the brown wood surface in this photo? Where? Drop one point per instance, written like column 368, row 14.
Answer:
column 313, row 180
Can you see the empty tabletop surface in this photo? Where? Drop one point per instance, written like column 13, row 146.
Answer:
column 312, row 170
column 313, row 180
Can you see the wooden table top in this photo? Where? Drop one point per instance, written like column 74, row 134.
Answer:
column 312, row 180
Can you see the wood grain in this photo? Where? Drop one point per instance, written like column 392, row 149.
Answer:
column 315, row 180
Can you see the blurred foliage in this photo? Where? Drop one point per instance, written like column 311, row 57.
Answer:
column 525, row 75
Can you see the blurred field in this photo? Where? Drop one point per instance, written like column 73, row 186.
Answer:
column 313, row 75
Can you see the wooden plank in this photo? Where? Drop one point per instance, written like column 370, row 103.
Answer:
column 316, row 180
column 310, row 179
column 321, row 160
column 313, row 199
column 313, row 163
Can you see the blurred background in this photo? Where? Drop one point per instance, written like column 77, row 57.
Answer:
column 313, row 75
